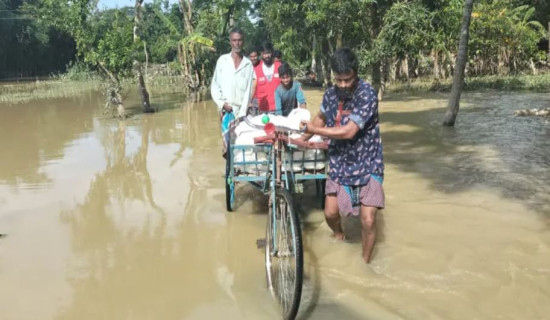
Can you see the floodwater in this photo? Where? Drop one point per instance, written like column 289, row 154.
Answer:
column 108, row 219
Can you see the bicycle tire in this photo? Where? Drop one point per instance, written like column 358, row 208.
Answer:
column 284, row 282
column 229, row 185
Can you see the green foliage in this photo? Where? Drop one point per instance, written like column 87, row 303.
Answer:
column 42, row 36
column 285, row 22
column 407, row 30
column 503, row 37
column 78, row 71
column 156, row 33
column 28, row 48
column 116, row 48
column 446, row 19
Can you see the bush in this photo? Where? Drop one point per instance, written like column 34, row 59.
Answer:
column 78, row 71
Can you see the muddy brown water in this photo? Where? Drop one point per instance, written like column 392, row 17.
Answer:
column 126, row 220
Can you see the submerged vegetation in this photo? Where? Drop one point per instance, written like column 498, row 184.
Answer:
column 20, row 92
column 66, row 87
column 78, row 80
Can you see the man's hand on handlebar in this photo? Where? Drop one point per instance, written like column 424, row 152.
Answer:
column 227, row 107
column 304, row 125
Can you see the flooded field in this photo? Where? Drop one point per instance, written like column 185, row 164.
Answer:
column 126, row 220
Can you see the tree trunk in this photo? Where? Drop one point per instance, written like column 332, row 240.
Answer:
column 326, row 53
column 435, row 57
column 138, row 69
column 144, row 94
column 113, row 91
column 376, row 66
column 460, row 66
column 413, row 68
column 203, row 78
column 229, row 20
column 187, row 13
column 180, row 58
column 339, row 40
column 377, row 79
column 313, row 50
column 386, row 70
column 405, row 68
column 189, row 51
column 385, row 77
column 445, row 69
column 532, row 66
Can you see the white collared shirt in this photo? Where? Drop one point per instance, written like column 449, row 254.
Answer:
column 232, row 85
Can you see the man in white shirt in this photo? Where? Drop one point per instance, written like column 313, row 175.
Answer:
column 232, row 81
column 232, row 84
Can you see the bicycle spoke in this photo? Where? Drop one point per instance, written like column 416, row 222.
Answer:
column 284, row 261
column 285, row 258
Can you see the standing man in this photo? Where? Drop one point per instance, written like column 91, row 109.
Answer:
column 254, row 56
column 232, row 83
column 266, row 79
column 278, row 56
column 349, row 117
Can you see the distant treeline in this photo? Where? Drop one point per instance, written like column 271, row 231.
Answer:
column 396, row 40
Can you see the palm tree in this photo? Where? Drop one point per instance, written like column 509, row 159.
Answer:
column 460, row 66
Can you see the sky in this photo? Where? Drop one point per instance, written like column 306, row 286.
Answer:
column 121, row 3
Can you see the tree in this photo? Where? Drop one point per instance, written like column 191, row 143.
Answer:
column 190, row 45
column 504, row 38
column 110, row 51
column 138, row 69
column 30, row 49
column 461, row 59
column 406, row 32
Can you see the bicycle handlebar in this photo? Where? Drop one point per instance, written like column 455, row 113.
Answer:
column 277, row 128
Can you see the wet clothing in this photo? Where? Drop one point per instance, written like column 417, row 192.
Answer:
column 353, row 161
column 288, row 99
column 351, row 197
column 265, row 88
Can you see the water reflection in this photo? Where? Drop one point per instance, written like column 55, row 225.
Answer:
column 34, row 134
column 164, row 255
column 144, row 233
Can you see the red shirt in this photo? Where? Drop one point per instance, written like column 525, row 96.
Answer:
column 265, row 90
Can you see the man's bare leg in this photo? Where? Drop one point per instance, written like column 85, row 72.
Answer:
column 368, row 230
column 332, row 215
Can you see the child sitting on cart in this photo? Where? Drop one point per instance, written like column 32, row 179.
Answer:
column 289, row 94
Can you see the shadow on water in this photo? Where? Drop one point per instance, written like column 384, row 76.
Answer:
column 311, row 305
column 488, row 147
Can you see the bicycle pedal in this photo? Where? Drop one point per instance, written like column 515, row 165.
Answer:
column 261, row 243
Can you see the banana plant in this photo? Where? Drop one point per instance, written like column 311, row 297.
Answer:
column 190, row 45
